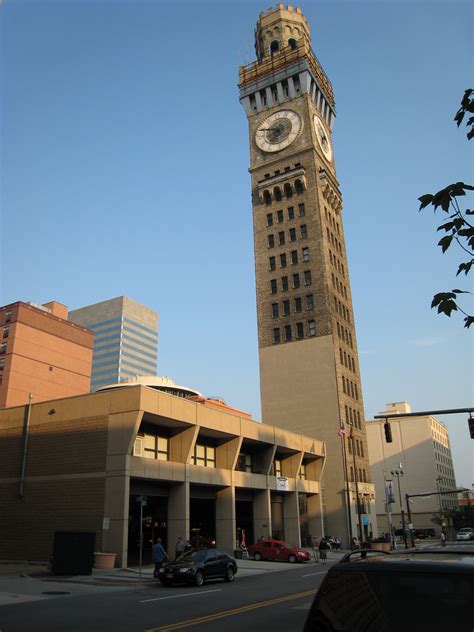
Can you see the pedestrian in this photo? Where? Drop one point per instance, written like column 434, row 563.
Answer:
column 187, row 546
column 443, row 538
column 159, row 556
column 323, row 546
column 179, row 548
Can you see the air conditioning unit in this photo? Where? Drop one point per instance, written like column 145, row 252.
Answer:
column 138, row 447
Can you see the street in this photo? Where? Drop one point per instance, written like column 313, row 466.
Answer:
column 268, row 601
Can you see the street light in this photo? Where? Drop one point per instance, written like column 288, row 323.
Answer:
column 398, row 473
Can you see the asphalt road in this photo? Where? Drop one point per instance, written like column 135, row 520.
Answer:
column 276, row 601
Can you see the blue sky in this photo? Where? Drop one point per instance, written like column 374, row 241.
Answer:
column 124, row 171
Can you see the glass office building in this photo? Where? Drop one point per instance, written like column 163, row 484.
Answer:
column 125, row 340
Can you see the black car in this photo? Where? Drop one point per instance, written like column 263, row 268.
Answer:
column 385, row 592
column 196, row 566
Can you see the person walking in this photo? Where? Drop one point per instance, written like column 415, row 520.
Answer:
column 443, row 538
column 159, row 556
column 179, row 548
column 323, row 547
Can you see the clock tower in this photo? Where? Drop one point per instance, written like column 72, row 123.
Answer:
column 309, row 369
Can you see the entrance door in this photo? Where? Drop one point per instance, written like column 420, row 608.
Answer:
column 203, row 522
column 154, row 526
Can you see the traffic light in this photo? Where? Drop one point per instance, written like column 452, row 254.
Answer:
column 388, row 432
column 470, row 421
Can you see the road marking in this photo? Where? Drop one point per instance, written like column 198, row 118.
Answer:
column 311, row 574
column 203, row 592
column 229, row 613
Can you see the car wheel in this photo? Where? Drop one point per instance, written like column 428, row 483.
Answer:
column 292, row 559
column 257, row 556
column 199, row 578
column 229, row 575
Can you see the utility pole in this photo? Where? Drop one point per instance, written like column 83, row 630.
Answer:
column 398, row 473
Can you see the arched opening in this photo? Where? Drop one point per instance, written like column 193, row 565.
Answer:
column 288, row 190
column 292, row 43
column 277, row 194
column 267, row 198
column 298, row 186
column 274, row 46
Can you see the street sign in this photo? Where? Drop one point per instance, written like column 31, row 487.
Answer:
column 142, row 500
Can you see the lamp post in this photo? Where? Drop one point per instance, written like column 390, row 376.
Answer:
column 398, row 473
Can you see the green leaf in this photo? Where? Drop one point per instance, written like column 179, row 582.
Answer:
column 468, row 321
column 442, row 297
column 425, row 200
column 465, row 267
column 460, row 292
column 446, row 227
column 445, row 242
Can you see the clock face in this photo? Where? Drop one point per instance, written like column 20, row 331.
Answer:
column 278, row 131
column 323, row 137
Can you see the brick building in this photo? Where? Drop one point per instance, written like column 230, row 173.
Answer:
column 42, row 353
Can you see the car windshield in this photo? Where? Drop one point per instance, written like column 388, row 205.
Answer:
column 193, row 556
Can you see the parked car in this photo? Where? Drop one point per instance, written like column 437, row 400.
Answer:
column 466, row 533
column 277, row 550
column 197, row 566
column 372, row 591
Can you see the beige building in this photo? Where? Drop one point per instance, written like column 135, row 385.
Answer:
column 309, row 368
column 420, row 445
column 206, row 471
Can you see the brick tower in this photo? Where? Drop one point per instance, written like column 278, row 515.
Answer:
column 309, row 369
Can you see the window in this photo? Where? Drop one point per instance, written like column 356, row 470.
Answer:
column 311, row 328
column 275, row 310
column 299, row 330
column 267, row 198
column 271, row 241
column 286, row 308
column 352, row 474
column 2, row 364
column 204, row 455
column 298, row 304
column 309, row 301
column 3, row 347
column 281, row 238
column 301, row 210
column 296, row 280
column 269, row 219
column 277, row 467
column 272, row 264
column 276, row 335
column 273, row 286
column 244, row 463
column 304, row 231
column 305, row 252
column 294, row 257
column 8, row 316
column 288, row 333
column 283, row 260
column 292, row 234
column 307, row 277
column 298, row 186
column 155, row 447
column 292, row 43
column 6, row 332
column 302, row 472
column 284, row 283
column 277, row 194
column 291, row 212
column 280, row 216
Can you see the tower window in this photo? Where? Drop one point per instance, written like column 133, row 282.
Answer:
column 270, row 219
column 275, row 310
column 274, row 46
column 272, row 264
column 280, row 216
column 296, row 281
column 310, row 301
column 276, row 335
column 288, row 190
column 292, row 43
column 305, row 254
column 3, row 347
column 286, row 308
column 291, row 212
column 297, row 304
column 292, row 234
column 6, row 332
column 277, row 194
column 301, row 210
column 298, row 186
column 283, row 260
column 299, row 330
column 288, row 336
column 294, row 256
column 284, row 283
column 304, row 231
column 273, row 286
column 311, row 328
column 307, row 277
column 281, row 238
column 8, row 316
column 271, row 241
column 267, row 198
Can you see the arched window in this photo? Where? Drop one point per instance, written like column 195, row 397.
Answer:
column 292, row 43
column 288, row 190
column 298, row 186
column 274, row 46
column 277, row 193
column 267, row 198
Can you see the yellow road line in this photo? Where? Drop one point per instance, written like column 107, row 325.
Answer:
column 229, row 613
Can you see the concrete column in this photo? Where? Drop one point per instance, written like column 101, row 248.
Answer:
column 116, row 509
column 228, row 453
column 262, row 514
column 178, row 515
column 315, row 515
column 182, row 445
column 305, row 82
column 269, row 94
column 281, row 94
column 290, row 467
column 225, row 520
column 258, row 101
column 291, row 519
column 291, row 87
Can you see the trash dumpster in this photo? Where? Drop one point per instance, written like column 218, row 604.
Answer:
column 73, row 553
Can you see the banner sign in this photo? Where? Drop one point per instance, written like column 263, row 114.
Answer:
column 389, row 492
column 282, row 484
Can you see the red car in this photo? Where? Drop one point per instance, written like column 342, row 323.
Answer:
column 277, row 550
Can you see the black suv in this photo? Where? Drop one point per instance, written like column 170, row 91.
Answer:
column 380, row 592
